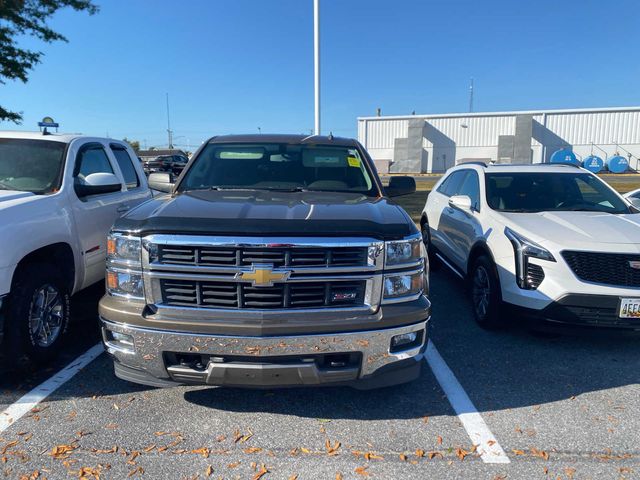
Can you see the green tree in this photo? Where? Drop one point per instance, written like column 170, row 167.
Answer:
column 135, row 144
column 28, row 17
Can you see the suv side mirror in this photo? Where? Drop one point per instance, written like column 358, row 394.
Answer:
column 461, row 202
column 163, row 182
column 96, row 184
column 400, row 186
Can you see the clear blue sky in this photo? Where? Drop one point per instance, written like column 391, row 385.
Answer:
column 231, row 66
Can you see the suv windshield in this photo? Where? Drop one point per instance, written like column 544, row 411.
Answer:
column 30, row 165
column 279, row 166
column 541, row 192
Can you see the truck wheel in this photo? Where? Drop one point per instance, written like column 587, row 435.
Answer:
column 485, row 292
column 38, row 313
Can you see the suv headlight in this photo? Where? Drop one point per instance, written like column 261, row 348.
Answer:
column 403, row 251
column 523, row 249
column 124, row 267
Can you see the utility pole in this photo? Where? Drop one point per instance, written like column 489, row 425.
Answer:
column 316, row 64
column 471, row 96
column 169, row 132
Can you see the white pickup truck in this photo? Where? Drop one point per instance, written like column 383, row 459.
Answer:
column 59, row 196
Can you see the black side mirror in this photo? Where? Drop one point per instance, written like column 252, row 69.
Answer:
column 163, row 182
column 400, row 186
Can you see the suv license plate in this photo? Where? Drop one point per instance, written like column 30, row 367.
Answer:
column 629, row 308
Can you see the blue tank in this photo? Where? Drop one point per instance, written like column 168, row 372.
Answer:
column 617, row 164
column 564, row 155
column 593, row 163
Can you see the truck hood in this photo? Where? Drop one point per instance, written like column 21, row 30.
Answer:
column 12, row 197
column 269, row 213
column 576, row 229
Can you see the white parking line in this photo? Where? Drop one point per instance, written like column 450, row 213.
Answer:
column 18, row 409
column 488, row 447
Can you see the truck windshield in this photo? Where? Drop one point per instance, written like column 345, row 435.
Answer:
column 281, row 167
column 531, row 192
column 30, row 165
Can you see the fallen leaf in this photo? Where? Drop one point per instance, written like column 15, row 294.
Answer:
column 332, row 449
column 569, row 472
column 202, row 451
column 293, row 477
column 261, row 473
column 233, row 465
column 209, row 471
column 403, row 457
column 539, row 453
column 138, row 470
column 419, row 453
column 252, row 450
column 372, row 456
column 518, row 452
column 461, row 453
column 362, row 471
column 439, row 440
column 62, row 451
column 434, row 454
column 338, row 476
column 425, row 419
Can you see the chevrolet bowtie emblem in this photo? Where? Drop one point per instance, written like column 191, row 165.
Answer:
column 263, row 275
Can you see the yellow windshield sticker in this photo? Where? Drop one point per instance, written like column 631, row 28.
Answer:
column 353, row 162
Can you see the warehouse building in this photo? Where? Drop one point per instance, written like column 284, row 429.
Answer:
column 434, row 143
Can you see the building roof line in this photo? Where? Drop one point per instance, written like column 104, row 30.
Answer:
column 507, row 113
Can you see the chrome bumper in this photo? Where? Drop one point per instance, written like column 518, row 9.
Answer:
column 146, row 356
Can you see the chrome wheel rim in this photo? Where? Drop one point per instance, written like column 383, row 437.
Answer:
column 481, row 292
column 46, row 315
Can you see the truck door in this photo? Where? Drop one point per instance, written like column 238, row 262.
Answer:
column 94, row 214
column 133, row 178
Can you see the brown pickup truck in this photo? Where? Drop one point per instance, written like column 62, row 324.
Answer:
column 274, row 260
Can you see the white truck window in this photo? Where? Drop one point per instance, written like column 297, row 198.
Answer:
column 93, row 159
column 126, row 166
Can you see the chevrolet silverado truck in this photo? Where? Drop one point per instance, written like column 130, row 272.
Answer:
column 274, row 261
column 59, row 196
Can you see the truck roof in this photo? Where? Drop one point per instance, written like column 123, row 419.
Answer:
column 53, row 137
column 522, row 168
column 285, row 138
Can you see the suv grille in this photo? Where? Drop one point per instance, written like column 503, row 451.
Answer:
column 278, row 257
column 605, row 268
column 243, row 295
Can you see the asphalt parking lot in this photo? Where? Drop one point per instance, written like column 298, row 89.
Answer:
column 557, row 406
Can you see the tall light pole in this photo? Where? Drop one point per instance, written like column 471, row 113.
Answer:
column 316, row 64
column 169, row 132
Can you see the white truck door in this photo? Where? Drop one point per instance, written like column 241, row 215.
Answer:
column 133, row 177
column 94, row 214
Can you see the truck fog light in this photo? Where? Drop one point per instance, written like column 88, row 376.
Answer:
column 125, row 283
column 405, row 341
column 120, row 341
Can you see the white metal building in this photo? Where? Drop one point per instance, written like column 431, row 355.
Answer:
column 433, row 143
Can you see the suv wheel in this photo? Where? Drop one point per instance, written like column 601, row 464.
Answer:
column 485, row 293
column 38, row 313
column 434, row 263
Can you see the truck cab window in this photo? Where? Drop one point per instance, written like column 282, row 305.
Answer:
column 126, row 166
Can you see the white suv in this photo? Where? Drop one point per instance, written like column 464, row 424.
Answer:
column 553, row 242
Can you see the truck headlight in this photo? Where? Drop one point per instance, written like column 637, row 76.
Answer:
column 403, row 251
column 523, row 249
column 402, row 285
column 129, row 284
column 123, row 249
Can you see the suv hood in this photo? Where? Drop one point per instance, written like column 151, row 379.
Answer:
column 575, row 229
column 269, row 213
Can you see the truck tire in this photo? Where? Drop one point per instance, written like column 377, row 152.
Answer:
column 38, row 313
column 486, row 296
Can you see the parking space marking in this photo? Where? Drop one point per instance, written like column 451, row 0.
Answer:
column 28, row 401
column 488, row 447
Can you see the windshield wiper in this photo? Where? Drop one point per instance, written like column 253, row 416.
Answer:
column 284, row 189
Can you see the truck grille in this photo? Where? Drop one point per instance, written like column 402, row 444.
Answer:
column 605, row 268
column 236, row 295
column 278, row 257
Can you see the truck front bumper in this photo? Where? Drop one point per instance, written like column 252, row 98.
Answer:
column 362, row 359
